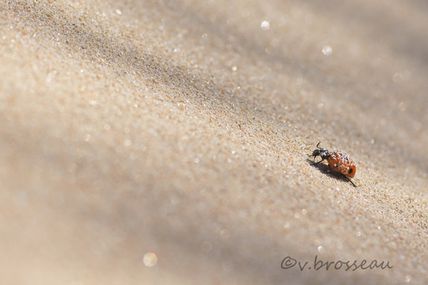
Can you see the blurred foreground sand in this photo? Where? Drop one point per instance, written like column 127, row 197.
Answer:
column 183, row 127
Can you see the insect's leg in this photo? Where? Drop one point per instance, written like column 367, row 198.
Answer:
column 349, row 179
column 316, row 163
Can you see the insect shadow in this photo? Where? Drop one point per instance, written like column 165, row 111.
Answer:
column 326, row 170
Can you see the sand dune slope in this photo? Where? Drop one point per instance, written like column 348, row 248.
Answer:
column 181, row 129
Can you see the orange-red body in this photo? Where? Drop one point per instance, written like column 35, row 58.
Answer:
column 340, row 162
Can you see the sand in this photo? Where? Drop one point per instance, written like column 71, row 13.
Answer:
column 167, row 142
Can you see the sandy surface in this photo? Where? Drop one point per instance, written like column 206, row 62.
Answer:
column 182, row 128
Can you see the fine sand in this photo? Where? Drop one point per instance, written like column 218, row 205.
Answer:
column 167, row 142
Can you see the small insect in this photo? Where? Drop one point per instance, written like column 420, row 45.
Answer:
column 338, row 162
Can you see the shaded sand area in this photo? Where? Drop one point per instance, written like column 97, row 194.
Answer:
column 183, row 128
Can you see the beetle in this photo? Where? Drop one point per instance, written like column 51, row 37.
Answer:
column 338, row 162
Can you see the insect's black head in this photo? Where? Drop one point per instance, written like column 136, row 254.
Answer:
column 322, row 152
